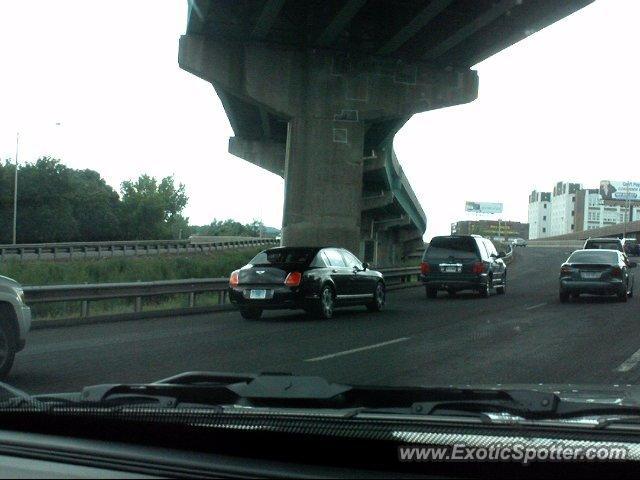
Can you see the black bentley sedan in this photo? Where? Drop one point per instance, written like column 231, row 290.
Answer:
column 314, row 279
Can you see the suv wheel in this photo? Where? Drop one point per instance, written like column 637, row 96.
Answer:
column 7, row 348
column 502, row 289
column 623, row 296
column 485, row 290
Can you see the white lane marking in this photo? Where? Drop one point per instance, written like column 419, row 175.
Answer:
column 629, row 363
column 532, row 307
column 355, row 350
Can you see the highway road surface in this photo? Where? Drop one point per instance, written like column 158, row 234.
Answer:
column 526, row 336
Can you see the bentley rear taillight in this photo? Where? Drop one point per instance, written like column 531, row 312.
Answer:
column 234, row 279
column 293, row 279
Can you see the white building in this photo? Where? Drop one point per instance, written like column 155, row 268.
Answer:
column 563, row 209
column 594, row 213
column 539, row 209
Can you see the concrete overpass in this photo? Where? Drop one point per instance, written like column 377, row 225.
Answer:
column 316, row 90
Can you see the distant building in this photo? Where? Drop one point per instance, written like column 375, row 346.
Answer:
column 491, row 229
column 539, row 211
column 563, row 208
column 593, row 212
column 571, row 208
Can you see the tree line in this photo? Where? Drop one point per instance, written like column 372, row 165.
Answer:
column 61, row 204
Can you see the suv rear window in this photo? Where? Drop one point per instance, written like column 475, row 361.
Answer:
column 457, row 247
column 603, row 245
column 280, row 256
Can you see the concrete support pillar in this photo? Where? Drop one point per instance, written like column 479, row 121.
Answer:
column 323, row 183
column 331, row 101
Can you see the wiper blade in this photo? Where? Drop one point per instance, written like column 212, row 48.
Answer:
column 220, row 389
column 278, row 390
column 12, row 397
column 526, row 403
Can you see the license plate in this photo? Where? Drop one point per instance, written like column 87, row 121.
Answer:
column 258, row 294
column 451, row 269
column 591, row 275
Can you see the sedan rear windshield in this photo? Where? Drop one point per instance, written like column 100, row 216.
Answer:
column 302, row 256
column 457, row 247
column 599, row 257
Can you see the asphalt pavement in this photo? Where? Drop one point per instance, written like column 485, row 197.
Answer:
column 525, row 336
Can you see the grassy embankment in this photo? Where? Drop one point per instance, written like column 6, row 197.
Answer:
column 107, row 270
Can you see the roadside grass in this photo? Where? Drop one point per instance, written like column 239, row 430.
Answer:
column 113, row 270
column 118, row 269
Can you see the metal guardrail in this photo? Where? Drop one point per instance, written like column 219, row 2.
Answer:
column 396, row 278
column 87, row 293
column 575, row 244
column 69, row 250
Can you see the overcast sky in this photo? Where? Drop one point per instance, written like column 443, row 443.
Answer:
column 562, row 104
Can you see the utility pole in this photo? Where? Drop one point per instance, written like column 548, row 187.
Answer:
column 15, row 190
column 627, row 214
column 15, row 186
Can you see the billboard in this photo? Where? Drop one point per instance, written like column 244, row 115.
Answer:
column 482, row 207
column 620, row 191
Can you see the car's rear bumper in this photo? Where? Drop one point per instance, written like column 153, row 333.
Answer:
column 280, row 298
column 455, row 281
column 609, row 287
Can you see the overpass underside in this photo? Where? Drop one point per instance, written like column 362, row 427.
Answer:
column 315, row 92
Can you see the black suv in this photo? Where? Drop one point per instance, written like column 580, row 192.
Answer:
column 463, row 262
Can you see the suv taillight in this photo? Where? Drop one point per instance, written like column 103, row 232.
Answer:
column 616, row 272
column 293, row 279
column 477, row 268
column 425, row 268
column 233, row 279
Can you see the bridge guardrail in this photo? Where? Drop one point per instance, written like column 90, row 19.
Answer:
column 87, row 293
column 68, row 250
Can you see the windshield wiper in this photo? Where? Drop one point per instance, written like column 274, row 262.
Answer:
column 216, row 389
column 277, row 390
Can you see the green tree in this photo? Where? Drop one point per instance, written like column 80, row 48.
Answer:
column 230, row 227
column 57, row 203
column 152, row 210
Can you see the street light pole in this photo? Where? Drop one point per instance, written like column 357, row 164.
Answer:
column 627, row 213
column 15, row 186
column 15, row 190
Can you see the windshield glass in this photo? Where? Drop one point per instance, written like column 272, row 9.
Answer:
column 284, row 255
column 603, row 244
column 371, row 192
column 458, row 247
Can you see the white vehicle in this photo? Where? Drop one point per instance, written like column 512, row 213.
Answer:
column 15, row 322
column 519, row 242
